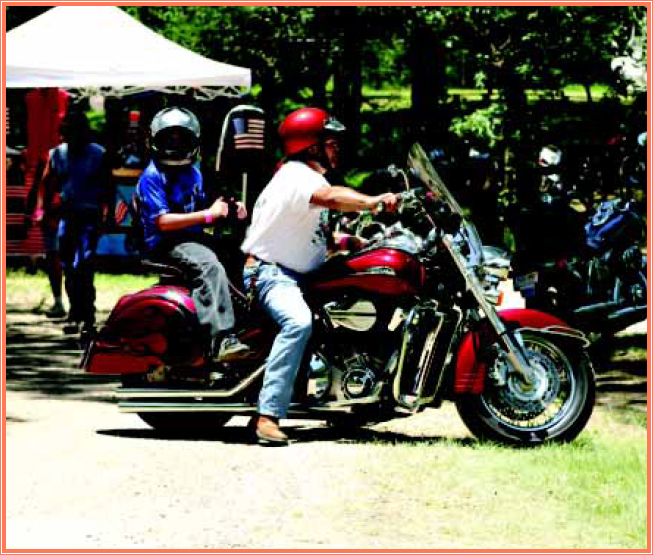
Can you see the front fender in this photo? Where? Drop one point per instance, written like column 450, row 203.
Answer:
column 470, row 368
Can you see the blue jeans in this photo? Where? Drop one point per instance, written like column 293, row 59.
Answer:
column 279, row 293
column 78, row 237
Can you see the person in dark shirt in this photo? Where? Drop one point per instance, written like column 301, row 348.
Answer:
column 174, row 210
column 78, row 182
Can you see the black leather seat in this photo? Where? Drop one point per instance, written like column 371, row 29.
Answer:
column 165, row 271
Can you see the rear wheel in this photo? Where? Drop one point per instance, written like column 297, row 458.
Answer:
column 555, row 408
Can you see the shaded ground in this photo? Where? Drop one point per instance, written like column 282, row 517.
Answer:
column 42, row 360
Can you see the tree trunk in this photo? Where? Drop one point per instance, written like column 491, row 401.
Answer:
column 427, row 66
column 348, row 78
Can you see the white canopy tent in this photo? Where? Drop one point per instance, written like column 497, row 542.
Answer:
column 94, row 50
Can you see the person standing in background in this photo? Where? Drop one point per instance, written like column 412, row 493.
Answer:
column 78, row 182
column 46, row 109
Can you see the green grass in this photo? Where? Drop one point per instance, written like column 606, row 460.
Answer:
column 33, row 291
column 590, row 494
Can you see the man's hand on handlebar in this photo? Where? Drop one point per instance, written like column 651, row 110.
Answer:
column 241, row 211
column 387, row 202
column 224, row 208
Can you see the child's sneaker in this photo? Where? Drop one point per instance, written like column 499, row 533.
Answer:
column 231, row 349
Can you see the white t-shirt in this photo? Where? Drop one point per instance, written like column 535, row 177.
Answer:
column 286, row 229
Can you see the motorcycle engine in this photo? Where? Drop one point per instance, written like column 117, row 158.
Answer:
column 354, row 377
column 351, row 364
column 358, row 380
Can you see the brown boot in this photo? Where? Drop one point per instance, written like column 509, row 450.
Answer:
column 269, row 433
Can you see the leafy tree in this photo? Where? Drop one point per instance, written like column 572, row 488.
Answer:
column 325, row 55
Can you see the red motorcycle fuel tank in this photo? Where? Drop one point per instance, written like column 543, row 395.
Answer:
column 385, row 271
column 146, row 329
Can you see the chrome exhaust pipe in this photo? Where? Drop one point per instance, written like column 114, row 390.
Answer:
column 236, row 408
column 152, row 393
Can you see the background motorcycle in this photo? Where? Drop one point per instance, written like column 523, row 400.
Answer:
column 586, row 267
column 399, row 326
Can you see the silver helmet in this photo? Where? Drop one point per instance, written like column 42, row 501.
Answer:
column 175, row 137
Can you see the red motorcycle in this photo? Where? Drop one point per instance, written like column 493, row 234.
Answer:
column 400, row 326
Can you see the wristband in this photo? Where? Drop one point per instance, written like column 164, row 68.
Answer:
column 208, row 218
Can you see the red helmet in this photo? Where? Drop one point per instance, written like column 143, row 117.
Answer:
column 304, row 127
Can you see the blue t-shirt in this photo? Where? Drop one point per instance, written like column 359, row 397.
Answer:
column 82, row 175
column 177, row 191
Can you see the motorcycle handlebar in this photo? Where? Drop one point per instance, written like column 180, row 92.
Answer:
column 380, row 207
column 232, row 211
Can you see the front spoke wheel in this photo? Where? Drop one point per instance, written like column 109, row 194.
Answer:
column 554, row 407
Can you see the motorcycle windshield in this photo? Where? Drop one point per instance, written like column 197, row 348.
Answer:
column 419, row 162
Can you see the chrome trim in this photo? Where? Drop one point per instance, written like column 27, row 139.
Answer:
column 416, row 402
column 144, row 393
column 406, row 339
column 416, row 399
column 339, row 405
column 359, row 316
column 514, row 351
column 379, row 270
column 562, row 331
column 186, row 407
column 239, row 408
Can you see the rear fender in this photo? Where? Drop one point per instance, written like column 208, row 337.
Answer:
column 144, row 330
column 101, row 358
column 470, row 367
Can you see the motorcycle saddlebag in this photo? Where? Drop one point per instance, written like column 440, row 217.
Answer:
column 144, row 330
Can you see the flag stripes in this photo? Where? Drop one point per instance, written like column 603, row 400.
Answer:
column 253, row 138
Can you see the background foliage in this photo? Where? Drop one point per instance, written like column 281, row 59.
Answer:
column 399, row 73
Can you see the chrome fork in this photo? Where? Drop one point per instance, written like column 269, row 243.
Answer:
column 514, row 352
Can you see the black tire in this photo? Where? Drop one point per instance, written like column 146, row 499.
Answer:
column 558, row 410
column 180, row 423
column 632, row 289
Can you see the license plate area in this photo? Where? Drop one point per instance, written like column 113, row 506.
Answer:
column 526, row 283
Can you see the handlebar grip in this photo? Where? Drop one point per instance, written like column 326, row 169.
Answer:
column 378, row 209
column 232, row 214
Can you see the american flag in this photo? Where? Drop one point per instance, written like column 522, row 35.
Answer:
column 121, row 212
column 253, row 137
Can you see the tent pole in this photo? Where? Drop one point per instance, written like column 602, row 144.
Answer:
column 243, row 196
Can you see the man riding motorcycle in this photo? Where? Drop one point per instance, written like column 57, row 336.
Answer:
column 288, row 238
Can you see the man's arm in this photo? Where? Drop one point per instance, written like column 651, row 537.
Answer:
column 348, row 200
